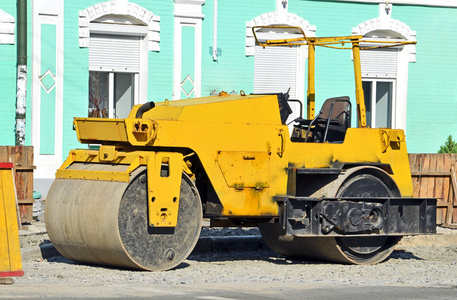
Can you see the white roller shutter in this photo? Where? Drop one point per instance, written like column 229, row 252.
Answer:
column 379, row 63
column 114, row 53
column 275, row 70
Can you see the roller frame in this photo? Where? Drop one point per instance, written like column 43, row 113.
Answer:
column 307, row 216
column 163, row 192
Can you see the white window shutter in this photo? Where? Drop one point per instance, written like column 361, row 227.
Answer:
column 114, row 53
column 379, row 63
column 275, row 70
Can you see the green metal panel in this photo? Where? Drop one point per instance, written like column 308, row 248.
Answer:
column 48, row 91
column 187, row 62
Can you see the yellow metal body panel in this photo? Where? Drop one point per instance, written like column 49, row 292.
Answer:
column 90, row 130
column 218, row 109
column 207, row 140
column 10, row 252
column 360, row 146
column 245, row 169
column 246, row 151
column 164, row 189
column 136, row 132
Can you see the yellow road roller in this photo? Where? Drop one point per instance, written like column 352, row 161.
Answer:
column 324, row 191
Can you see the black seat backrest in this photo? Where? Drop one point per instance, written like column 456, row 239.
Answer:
column 333, row 120
column 340, row 109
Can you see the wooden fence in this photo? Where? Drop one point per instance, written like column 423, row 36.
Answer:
column 22, row 159
column 434, row 175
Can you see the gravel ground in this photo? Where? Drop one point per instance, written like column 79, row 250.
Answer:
column 426, row 264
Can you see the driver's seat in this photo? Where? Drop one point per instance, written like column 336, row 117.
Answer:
column 331, row 122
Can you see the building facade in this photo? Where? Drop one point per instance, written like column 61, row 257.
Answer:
column 98, row 58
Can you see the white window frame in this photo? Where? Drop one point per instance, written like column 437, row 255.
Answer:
column 374, row 82
column 123, row 9
column 141, row 77
column 111, row 91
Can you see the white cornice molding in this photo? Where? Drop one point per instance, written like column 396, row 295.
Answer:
column 119, row 7
column 6, row 28
column 438, row 3
column 385, row 23
column 188, row 9
column 275, row 18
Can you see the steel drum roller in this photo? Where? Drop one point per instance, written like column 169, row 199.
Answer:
column 104, row 222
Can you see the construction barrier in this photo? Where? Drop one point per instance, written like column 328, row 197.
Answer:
column 10, row 251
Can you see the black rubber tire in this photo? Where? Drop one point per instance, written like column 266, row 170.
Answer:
column 368, row 250
column 360, row 182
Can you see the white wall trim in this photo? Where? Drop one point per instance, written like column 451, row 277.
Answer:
column 187, row 13
column 6, row 28
column 119, row 7
column 188, row 8
column 437, row 3
column 388, row 24
column 45, row 12
column 275, row 18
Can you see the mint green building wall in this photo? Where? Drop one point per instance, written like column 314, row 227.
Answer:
column 233, row 70
column 334, row 68
column 8, row 93
column 160, row 75
column 432, row 84
column 8, row 71
column 7, row 84
column 76, row 74
column 432, row 89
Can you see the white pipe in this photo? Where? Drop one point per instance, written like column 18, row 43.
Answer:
column 215, row 30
